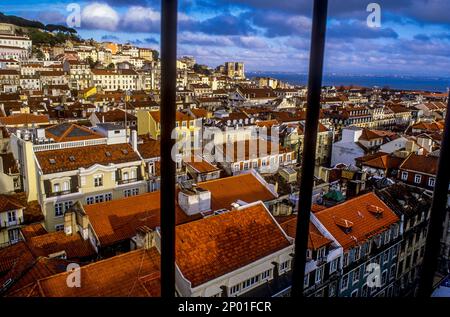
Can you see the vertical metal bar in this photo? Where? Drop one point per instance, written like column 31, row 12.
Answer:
column 168, row 99
column 309, row 148
column 437, row 214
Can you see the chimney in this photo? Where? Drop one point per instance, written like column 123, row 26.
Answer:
column 70, row 223
column 134, row 140
column 144, row 238
column 194, row 200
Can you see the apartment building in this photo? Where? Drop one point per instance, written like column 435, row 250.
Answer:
column 110, row 80
column 16, row 41
column 258, row 154
column 188, row 128
column 261, row 252
column 412, row 205
column 9, row 80
column 16, row 212
column 369, row 233
column 323, row 262
column 73, row 163
column 420, row 171
column 80, row 76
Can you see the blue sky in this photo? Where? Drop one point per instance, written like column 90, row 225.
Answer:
column 268, row 35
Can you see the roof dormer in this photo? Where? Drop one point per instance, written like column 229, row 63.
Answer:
column 344, row 224
column 375, row 210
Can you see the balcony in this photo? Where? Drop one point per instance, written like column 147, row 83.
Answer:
column 8, row 224
column 128, row 181
column 62, row 193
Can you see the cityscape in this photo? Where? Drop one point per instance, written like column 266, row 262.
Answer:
column 81, row 181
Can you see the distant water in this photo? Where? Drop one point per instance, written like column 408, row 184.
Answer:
column 395, row 82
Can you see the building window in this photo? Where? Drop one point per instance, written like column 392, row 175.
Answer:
column 265, row 274
column 13, row 235
column 357, row 253
column 234, row 289
column 431, row 181
column 356, row 274
column 394, row 251
column 12, row 216
column 344, row 282
column 387, row 236
column 89, row 200
column 417, row 178
column 306, row 280
column 56, row 188
column 99, row 199
column 345, row 259
column 334, row 265
column 396, row 231
column 319, row 274
column 59, row 209
column 131, row 192
column 404, row 176
column 59, row 227
column 364, row 290
column 284, row 265
column 98, row 180
column 321, row 253
column 108, row 197
column 385, row 257
column 354, row 293
column 66, row 186
column 250, row 282
column 67, row 205
column 392, row 272
column 384, row 277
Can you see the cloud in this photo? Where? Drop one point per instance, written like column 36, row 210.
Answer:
column 51, row 17
column 141, row 19
column 422, row 37
column 358, row 29
column 253, row 42
column 99, row 16
column 277, row 24
column 222, row 24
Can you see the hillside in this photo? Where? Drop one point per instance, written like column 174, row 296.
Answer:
column 22, row 22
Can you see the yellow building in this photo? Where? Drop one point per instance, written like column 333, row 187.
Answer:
column 187, row 127
column 81, row 165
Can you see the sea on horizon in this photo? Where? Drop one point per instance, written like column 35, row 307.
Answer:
column 433, row 84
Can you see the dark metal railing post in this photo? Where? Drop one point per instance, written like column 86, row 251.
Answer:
column 168, row 109
column 437, row 214
column 309, row 148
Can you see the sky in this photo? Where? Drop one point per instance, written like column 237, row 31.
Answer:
column 273, row 35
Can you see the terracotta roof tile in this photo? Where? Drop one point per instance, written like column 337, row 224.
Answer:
column 245, row 187
column 55, row 161
column 211, row 247
column 132, row 274
column 200, row 165
column 355, row 215
column 117, row 220
column 316, row 239
column 24, row 118
column 149, row 149
column 54, row 242
column 421, row 163
column 33, row 230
